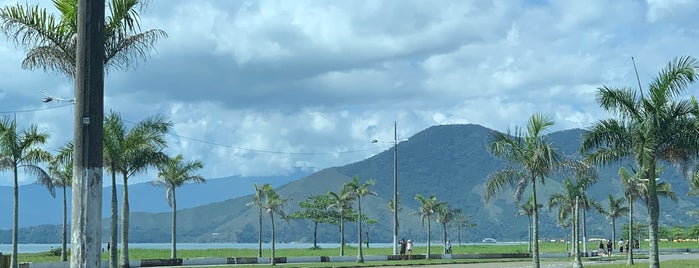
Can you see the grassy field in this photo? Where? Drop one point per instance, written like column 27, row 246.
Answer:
column 137, row 254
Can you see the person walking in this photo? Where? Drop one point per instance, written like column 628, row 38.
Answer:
column 402, row 244
column 410, row 249
column 621, row 245
column 610, row 248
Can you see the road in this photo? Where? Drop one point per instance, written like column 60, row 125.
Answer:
column 547, row 264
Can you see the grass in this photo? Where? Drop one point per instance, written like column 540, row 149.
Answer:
column 138, row 254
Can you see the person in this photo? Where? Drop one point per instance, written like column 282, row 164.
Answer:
column 410, row 249
column 402, row 244
column 447, row 249
column 601, row 248
column 626, row 246
column 636, row 243
column 108, row 246
column 610, row 250
column 621, row 245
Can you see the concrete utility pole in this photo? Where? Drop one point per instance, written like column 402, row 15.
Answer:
column 86, row 220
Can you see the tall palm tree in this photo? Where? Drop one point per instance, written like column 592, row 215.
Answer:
column 342, row 203
column 21, row 149
column 445, row 215
column 568, row 202
column 616, row 210
column 173, row 173
column 129, row 152
column 428, row 207
column 355, row 190
column 61, row 171
column 527, row 209
column 257, row 199
column 649, row 127
column 273, row 204
column 50, row 42
column 50, row 39
column 531, row 157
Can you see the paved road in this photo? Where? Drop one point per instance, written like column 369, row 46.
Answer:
column 547, row 264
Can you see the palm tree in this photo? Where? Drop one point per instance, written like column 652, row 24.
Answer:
column 532, row 159
column 61, row 171
column 428, row 207
column 173, row 173
column 20, row 149
column 528, row 209
column 445, row 215
column 50, row 40
column 355, row 190
column 568, row 202
column 129, row 152
column 659, row 125
column 462, row 221
column 633, row 190
column 51, row 45
column 341, row 203
column 616, row 210
column 257, row 199
column 273, row 204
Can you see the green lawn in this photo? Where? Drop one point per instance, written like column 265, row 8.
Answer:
column 136, row 253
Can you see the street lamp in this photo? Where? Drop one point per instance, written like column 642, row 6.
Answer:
column 395, row 185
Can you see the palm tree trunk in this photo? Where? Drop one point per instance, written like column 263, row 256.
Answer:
column 272, row 260
column 429, row 237
column 444, row 236
column 535, row 220
column 64, row 234
column 15, row 221
column 259, row 233
column 613, row 235
column 577, row 262
column 653, row 215
column 529, row 233
column 173, row 254
column 629, row 259
column 114, row 224
column 125, row 227
column 360, row 257
column 342, row 234
column 584, row 225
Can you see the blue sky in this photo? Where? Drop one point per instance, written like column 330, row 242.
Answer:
column 257, row 88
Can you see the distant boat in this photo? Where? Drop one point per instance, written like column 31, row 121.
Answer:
column 489, row 240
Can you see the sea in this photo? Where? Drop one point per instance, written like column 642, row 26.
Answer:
column 36, row 248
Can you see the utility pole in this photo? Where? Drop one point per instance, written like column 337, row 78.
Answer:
column 86, row 218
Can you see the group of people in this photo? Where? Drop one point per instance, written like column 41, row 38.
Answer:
column 406, row 246
column 622, row 245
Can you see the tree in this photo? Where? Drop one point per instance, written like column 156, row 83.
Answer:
column 20, row 149
column 445, row 215
column 257, row 199
column 616, row 210
column 462, row 221
column 342, row 203
column 50, row 40
column 428, row 207
column 531, row 159
column 172, row 174
column 528, row 209
column 129, row 152
column 355, row 190
column 61, row 171
column 649, row 127
column 315, row 209
column 568, row 202
column 273, row 204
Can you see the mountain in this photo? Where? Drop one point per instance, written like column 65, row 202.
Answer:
column 37, row 207
column 449, row 161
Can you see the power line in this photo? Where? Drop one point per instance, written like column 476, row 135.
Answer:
column 211, row 142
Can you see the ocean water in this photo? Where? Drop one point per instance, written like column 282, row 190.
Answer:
column 36, row 248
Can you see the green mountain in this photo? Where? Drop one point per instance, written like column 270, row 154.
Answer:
column 449, row 161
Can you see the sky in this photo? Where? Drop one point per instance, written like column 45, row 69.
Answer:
column 267, row 88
